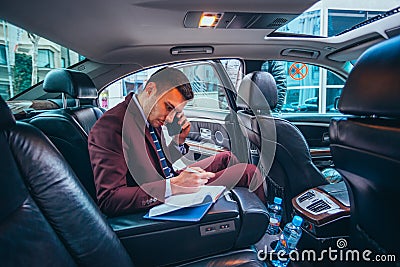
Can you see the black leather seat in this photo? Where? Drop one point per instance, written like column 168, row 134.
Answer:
column 68, row 128
column 284, row 153
column 46, row 218
column 366, row 147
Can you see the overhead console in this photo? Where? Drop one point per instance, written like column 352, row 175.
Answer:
column 238, row 20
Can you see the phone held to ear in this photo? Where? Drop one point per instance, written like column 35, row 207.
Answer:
column 174, row 128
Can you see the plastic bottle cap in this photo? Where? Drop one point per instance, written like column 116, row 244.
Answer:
column 278, row 200
column 297, row 220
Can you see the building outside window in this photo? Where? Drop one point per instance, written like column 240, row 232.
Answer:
column 3, row 58
column 45, row 58
column 339, row 20
column 4, row 91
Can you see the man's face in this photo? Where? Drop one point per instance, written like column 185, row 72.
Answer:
column 164, row 107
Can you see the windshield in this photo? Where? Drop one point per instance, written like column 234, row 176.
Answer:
column 331, row 17
column 25, row 58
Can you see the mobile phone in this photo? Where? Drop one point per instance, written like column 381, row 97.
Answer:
column 174, row 127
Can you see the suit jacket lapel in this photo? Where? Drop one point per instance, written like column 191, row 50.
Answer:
column 150, row 146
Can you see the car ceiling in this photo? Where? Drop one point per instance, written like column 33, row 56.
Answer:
column 122, row 36
column 106, row 31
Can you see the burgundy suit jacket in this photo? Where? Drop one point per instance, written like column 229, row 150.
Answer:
column 127, row 172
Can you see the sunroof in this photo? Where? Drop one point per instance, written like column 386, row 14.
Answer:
column 331, row 17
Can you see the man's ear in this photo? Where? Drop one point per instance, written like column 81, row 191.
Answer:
column 151, row 88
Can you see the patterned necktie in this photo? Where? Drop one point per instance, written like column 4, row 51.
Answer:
column 163, row 161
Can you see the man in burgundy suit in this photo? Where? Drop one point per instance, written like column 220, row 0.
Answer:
column 130, row 171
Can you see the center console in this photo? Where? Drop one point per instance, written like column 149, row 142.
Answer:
column 326, row 214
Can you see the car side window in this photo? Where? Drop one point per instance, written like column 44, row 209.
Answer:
column 204, row 77
column 209, row 92
column 303, row 87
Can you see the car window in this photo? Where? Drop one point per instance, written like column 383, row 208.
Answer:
column 204, row 76
column 234, row 69
column 26, row 58
column 208, row 88
column 303, row 87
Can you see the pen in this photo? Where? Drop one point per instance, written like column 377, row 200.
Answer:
column 188, row 169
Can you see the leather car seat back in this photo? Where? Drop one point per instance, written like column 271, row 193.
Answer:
column 68, row 127
column 46, row 217
column 283, row 149
column 366, row 147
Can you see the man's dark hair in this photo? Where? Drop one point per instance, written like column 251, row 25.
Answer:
column 168, row 78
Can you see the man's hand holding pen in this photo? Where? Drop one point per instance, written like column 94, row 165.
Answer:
column 189, row 180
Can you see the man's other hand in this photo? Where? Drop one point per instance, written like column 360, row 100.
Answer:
column 185, row 124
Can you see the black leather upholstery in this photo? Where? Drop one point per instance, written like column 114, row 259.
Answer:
column 251, row 95
column 365, row 149
column 254, row 216
column 373, row 89
column 46, row 218
column 73, row 83
column 280, row 142
column 68, row 128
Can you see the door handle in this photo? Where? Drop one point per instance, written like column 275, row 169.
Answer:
column 325, row 137
column 205, row 133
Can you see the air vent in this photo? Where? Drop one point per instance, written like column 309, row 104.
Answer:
column 306, row 196
column 277, row 23
column 315, row 202
column 318, row 206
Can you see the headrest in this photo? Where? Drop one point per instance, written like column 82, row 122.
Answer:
column 256, row 90
column 74, row 83
column 7, row 119
column 373, row 86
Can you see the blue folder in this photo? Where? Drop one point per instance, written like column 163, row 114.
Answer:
column 188, row 214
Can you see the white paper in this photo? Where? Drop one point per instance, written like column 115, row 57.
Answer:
column 177, row 202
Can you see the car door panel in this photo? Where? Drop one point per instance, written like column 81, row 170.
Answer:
column 208, row 133
column 213, row 126
column 315, row 129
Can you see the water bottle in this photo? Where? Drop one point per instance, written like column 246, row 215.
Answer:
column 275, row 215
column 287, row 242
